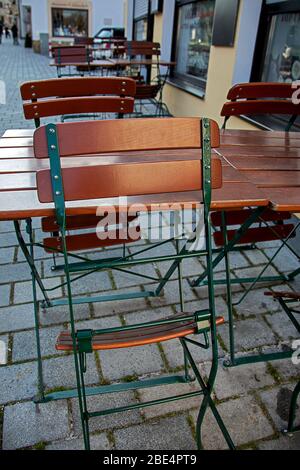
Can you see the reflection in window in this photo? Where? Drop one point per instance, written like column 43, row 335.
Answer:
column 195, row 22
column 69, row 22
column 282, row 62
column 140, row 30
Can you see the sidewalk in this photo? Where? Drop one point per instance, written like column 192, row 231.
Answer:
column 253, row 400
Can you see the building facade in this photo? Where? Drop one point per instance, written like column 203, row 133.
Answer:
column 9, row 12
column 216, row 44
column 64, row 19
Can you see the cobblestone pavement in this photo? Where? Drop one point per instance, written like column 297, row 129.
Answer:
column 253, row 399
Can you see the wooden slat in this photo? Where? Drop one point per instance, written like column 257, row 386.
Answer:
column 239, row 217
column 15, row 143
column 15, row 153
column 77, row 105
column 23, row 204
column 265, row 163
column 256, row 234
column 83, row 86
column 262, row 141
column 125, row 135
column 257, row 90
column 260, row 107
column 91, row 182
column 17, row 182
column 16, row 133
column 274, row 179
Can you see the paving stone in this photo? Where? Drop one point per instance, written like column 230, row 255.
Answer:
column 244, row 419
column 4, row 295
column 249, row 334
column 237, row 260
column 254, row 303
column 120, row 363
column 104, row 402
column 24, row 344
column 26, row 424
column 282, row 325
column 61, row 314
column 287, row 369
column 255, row 271
column 277, row 402
column 284, row 261
column 256, row 257
column 234, row 381
column 165, row 434
column 6, row 226
column 16, row 318
column 98, row 442
column 190, row 268
column 23, row 290
column 7, row 255
column 8, row 239
column 60, row 372
column 3, row 349
column 15, row 272
column 119, row 306
column 170, row 294
column 283, row 443
column 95, row 282
column 18, row 382
column 220, row 304
column 174, row 352
column 126, row 280
column 164, row 391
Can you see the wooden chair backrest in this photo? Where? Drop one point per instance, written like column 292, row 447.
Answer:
column 83, row 40
column 103, row 181
column 124, row 135
column 61, row 96
column 260, row 98
column 142, row 48
column 71, row 54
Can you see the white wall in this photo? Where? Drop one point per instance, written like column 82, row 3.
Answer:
column 39, row 16
column 107, row 9
column 102, row 10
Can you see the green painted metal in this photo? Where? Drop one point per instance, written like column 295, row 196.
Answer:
column 255, row 358
column 205, row 319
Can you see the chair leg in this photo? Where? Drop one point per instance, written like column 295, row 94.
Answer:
column 83, row 408
column 207, row 400
column 292, row 415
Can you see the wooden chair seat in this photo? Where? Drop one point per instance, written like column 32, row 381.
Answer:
column 240, row 216
column 134, row 337
column 284, row 295
column 77, row 222
column 256, row 234
column 87, row 241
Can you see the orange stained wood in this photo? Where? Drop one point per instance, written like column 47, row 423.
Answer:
column 284, row 295
column 135, row 337
column 83, row 86
column 257, row 90
column 49, row 224
column 91, row 182
column 88, row 241
column 259, row 107
column 13, row 133
column 93, row 104
column 256, row 234
column 125, row 135
column 16, row 142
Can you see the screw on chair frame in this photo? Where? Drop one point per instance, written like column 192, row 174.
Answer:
column 55, row 184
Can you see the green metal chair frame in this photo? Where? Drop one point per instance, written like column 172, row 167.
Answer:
column 82, row 341
column 287, row 301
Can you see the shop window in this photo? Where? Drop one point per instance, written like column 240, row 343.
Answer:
column 69, row 22
column 193, row 42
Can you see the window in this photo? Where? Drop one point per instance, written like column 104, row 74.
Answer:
column 69, row 22
column 277, row 55
column 140, row 29
column 193, row 42
column 282, row 59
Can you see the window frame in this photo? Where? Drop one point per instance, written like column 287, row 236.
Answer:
column 267, row 13
column 193, row 85
column 68, row 9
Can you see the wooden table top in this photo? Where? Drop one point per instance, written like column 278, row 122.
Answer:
column 105, row 63
column 259, row 169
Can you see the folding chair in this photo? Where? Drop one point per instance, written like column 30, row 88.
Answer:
column 75, row 98
column 252, row 98
column 261, row 98
column 72, row 56
column 287, row 301
column 60, row 185
column 150, row 92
